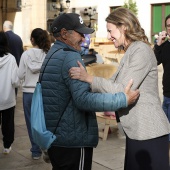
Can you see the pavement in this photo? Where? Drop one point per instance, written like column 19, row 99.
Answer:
column 109, row 154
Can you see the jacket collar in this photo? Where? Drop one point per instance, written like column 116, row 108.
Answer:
column 60, row 44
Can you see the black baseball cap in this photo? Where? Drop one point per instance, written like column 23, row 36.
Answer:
column 70, row 21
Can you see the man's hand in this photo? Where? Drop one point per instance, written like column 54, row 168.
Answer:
column 132, row 95
column 162, row 38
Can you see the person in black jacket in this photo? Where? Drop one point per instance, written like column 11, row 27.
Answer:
column 162, row 51
column 14, row 41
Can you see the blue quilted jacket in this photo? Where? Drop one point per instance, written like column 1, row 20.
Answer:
column 77, row 126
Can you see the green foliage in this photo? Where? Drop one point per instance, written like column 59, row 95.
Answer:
column 131, row 6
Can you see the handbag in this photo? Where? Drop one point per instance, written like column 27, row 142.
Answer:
column 41, row 136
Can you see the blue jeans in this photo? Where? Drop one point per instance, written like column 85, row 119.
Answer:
column 27, row 99
column 166, row 108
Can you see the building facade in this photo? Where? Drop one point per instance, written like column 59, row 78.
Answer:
column 29, row 14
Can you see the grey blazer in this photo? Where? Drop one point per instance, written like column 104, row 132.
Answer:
column 145, row 119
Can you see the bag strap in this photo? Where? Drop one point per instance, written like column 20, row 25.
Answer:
column 59, row 120
column 40, row 77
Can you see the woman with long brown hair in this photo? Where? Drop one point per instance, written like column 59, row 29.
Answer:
column 144, row 123
column 29, row 69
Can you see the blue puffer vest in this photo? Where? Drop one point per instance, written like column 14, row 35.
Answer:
column 78, row 125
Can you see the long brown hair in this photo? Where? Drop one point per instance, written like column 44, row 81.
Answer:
column 41, row 38
column 124, row 17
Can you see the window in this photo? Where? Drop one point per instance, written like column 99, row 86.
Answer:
column 159, row 13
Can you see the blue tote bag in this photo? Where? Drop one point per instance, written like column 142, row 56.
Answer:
column 41, row 136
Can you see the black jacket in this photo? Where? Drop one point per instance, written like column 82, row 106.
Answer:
column 163, row 57
column 15, row 45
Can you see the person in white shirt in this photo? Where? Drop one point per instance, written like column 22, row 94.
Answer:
column 29, row 69
column 9, row 81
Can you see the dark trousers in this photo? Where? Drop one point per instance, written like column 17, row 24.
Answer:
column 7, row 126
column 71, row 158
column 148, row 154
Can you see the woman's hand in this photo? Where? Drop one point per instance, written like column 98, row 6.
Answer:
column 80, row 73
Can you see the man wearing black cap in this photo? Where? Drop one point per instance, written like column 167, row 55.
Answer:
column 68, row 105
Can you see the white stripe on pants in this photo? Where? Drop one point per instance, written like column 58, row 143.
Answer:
column 81, row 165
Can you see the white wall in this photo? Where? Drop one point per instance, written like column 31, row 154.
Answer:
column 83, row 3
column 18, row 27
column 144, row 15
column 103, row 11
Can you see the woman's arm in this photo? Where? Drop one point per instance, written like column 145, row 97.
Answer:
column 138, row 64
column 95, row 101
column 98, row 84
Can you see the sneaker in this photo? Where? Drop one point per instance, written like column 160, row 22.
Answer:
column 7, row 150
column 36, row 157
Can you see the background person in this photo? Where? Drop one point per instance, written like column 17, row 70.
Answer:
column 85, row 44
column 9, row 80
column 14, row 40
column 162, row 51
column 144, row 123
column 69, row 102
column 28, row 72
